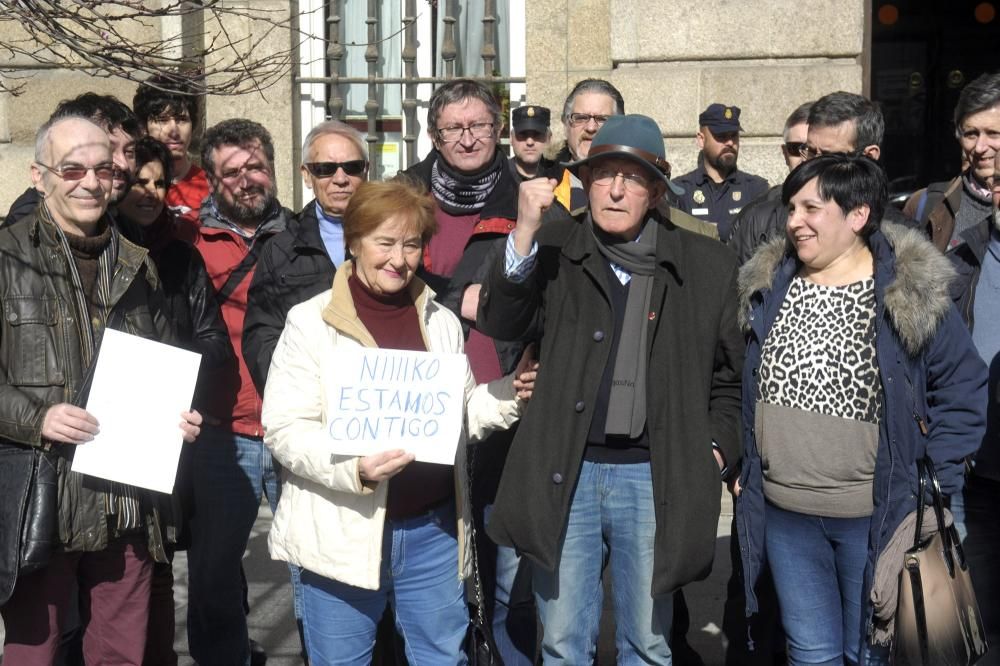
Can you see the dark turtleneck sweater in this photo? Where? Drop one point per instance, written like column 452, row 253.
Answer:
column 86, row 252
column 393, row 321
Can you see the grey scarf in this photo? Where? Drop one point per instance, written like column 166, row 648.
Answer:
column 627, row 402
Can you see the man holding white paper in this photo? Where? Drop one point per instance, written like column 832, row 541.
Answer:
column 66, row 274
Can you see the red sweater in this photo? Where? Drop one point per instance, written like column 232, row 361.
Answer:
column 232, row 396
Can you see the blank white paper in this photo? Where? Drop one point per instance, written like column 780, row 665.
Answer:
column 139, row 390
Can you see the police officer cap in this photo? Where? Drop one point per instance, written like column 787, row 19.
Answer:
column 720, row 118
column 530, row 118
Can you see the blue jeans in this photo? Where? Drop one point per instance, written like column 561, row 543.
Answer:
column 419, row 578
column 611, row 520
column 818, row 565
column 515, row 643
column 230, row 473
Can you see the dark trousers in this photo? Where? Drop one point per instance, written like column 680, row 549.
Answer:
column 114, row 587
column 161, row 628
column 982, row 499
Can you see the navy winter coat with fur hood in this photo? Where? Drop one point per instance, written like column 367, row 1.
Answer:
column 929, row 369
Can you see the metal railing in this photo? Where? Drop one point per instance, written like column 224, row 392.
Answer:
column 336, row 52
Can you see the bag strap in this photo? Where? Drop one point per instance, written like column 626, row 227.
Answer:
column 240, row 272
column 477, row 582
column 925, row 468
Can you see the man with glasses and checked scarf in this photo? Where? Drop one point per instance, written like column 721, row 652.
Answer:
column 475, row 205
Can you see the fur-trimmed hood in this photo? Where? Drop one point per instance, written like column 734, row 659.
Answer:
column 916, row 300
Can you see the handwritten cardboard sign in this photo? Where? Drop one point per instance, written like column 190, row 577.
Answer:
column 382, row 399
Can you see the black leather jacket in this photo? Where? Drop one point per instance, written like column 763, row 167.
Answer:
column 760, row 221
column 42, row 363
column 292, row 268
column 189, row 303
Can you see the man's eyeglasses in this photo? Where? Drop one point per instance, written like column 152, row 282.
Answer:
column 329, row 169
column 477, row 130
column 577, row 119
column 605, row 176
column 103, row 171
column 794, row 147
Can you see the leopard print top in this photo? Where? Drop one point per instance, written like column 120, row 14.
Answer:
column 820, row 353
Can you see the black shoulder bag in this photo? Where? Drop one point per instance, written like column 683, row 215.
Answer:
column 29, row 482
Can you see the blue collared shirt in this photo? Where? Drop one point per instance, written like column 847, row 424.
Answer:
column 331, row 230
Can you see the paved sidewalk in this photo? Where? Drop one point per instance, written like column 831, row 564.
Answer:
column 272, row 623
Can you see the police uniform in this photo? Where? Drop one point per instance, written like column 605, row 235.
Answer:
column 534, row 118
column 719, row 202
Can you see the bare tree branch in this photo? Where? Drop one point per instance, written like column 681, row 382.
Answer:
column 221, row 55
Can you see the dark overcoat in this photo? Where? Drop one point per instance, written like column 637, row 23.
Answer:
column 693, row 390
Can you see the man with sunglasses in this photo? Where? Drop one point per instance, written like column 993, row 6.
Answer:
column 300, row 262
column 66, row 274
column 754, row 223
column 123, row 131
column 840, row 122
column 717, row 190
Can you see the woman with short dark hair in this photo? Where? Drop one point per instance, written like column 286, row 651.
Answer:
column 857, row 366
column 145, row 219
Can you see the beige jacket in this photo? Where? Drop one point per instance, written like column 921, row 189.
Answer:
column 327, row 521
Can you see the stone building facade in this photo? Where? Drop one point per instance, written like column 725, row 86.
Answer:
column 669, row 58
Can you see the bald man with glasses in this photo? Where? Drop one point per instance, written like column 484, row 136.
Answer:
column 66, row 275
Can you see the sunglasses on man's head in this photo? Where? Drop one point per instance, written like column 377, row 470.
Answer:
column 328, row 169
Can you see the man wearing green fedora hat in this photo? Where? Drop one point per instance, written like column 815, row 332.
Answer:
column 636, row 407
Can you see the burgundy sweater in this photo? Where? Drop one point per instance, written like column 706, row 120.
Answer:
column 393, row 321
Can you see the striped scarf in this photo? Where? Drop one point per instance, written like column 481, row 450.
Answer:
column 120, row 500
column 461, row 194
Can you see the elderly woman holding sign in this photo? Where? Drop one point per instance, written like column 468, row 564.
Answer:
column 367, row 529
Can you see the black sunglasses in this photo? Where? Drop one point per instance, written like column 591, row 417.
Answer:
column 794, row 147
column 328, row 169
